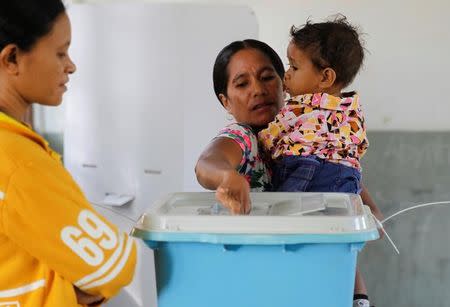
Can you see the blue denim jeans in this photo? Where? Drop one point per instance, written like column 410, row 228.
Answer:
column 311, row 174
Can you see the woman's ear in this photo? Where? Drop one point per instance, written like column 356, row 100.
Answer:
column 225, row 102
column 328, row 78
column 8, row 59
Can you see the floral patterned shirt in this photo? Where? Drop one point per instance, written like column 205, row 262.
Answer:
column 253, row 165
column 329, row 127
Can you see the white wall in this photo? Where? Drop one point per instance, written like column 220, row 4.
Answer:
column 141, row 106
column 407, row 62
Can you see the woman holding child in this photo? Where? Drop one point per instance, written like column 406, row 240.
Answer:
column 248, row 81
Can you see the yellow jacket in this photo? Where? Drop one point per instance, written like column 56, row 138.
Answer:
column 50, row 236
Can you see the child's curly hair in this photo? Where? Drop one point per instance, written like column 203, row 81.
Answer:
column 335, row 44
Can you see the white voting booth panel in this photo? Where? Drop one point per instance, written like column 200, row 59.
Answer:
column 141, row 107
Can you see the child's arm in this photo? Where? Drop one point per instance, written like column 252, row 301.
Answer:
column 216, row 170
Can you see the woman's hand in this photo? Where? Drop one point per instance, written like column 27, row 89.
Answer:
column 234, row 193
column 84, row 298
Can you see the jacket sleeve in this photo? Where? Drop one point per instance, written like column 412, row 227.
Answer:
column 46, row 214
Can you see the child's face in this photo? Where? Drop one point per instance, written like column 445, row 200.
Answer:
column 302, row 77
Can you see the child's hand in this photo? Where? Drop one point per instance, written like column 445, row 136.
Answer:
column 234, row 193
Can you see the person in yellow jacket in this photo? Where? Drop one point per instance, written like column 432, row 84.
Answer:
column 56, row 250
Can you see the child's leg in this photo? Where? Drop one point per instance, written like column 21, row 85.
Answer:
column 360, row 298
column 294, row 173
column 334, row 177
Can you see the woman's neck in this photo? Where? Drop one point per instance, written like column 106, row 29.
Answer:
column 256, row 129
column 12, row 104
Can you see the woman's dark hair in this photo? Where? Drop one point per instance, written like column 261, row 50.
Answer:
column 23, row 22
column 220, row 71
column 334, row 44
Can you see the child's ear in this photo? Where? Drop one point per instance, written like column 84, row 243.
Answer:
column 328, row 78
column 8, row 59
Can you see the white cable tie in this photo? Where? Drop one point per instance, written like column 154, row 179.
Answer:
column 415, row 207
column 380, row 225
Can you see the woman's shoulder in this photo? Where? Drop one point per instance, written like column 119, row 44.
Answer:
column 252, row 165
column 236, row 128
column 15, row 149
column 242, row 134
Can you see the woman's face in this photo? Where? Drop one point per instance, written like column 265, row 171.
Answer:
column 254, row 92
column 44, row 70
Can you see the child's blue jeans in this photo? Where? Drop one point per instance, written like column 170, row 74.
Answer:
column 312, row 174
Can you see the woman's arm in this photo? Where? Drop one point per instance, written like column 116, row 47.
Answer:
column 368, row 200
column 216, row 170
column 80, row 245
